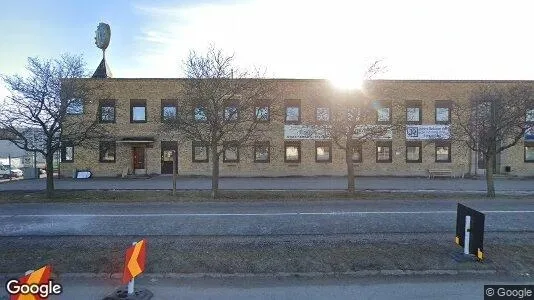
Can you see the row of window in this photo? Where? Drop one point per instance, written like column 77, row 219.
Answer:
column 292, row 152
column 323, row 152
column 169, row 109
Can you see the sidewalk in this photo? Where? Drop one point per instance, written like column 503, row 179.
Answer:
column 406, row 184
column 293, row 288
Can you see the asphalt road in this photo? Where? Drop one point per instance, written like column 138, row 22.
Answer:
column 372, row 288
column 508, row 185
column 259, row 219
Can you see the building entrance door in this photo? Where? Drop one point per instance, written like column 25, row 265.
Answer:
column 166, row 156
column 139, row 160
column 480, row 164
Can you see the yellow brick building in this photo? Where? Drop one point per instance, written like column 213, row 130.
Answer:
column 133, row 110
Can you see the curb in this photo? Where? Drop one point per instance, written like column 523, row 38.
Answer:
column 362, row 273
column 392, row 191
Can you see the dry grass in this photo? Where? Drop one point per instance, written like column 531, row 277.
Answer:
column 227, row 195
column 186, row 255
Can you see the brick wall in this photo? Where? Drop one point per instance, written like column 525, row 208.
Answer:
column 309, row 92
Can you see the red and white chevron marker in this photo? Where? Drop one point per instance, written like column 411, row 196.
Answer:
column 40, row 277
column 134, row 264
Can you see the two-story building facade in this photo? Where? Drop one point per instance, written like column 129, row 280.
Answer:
column 134, row 109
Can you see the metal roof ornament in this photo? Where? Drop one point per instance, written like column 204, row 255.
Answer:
column 102, row 38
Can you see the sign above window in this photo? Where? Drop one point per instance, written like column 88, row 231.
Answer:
column 427, row 132
column 373, row 132
column 305, row 132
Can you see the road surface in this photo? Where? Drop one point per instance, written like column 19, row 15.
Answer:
column 258, row 219
column 371, row 288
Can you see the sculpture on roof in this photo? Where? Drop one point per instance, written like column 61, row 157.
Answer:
column 102, row 38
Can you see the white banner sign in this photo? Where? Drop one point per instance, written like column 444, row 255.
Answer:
column 373, row 132
column 305, row 132
column 320, row 132
column 428, row 132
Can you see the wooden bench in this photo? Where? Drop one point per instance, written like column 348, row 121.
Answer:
column 439, row 172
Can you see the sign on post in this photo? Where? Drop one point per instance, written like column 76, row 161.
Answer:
column 470, row 230
column 134, row 265
column 135, row 261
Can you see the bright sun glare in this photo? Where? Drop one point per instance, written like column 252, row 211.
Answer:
column 346, row 82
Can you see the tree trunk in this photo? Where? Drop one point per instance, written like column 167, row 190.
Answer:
column 489, row 177
column 49, row 175
column 214, row 173
column 350, row 170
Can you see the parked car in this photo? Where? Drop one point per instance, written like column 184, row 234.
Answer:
column 16, row 173
column 4, row 172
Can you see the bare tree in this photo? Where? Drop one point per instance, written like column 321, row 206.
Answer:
column 223, row 107
column 45, row 108
column 493, row 120
column 357, row 119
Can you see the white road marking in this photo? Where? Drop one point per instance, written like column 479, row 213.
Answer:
column 259, row 214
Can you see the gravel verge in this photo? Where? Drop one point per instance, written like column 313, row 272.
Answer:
column 383, row 253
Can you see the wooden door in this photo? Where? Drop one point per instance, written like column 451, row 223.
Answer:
column 138, row 158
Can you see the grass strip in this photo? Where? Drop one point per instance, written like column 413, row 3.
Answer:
column 82, row 254
column 77, row 196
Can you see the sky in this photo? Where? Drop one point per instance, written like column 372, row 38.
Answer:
column 331, row 39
